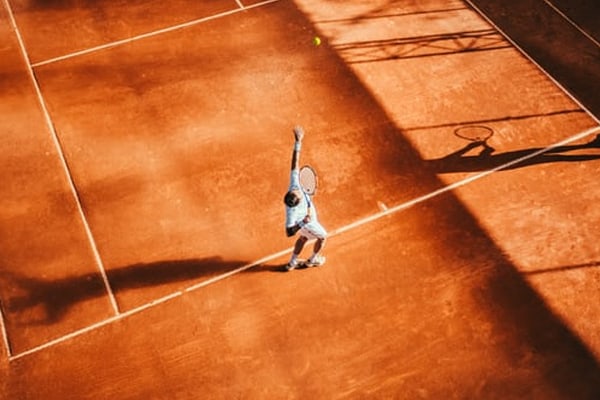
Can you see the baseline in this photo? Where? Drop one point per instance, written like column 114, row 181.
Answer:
column 385, row 212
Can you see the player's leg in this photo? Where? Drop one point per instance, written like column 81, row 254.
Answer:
column 315, row 230
column 319, row 244
column 298, row 246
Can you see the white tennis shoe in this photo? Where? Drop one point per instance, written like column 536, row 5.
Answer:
column 315, row 261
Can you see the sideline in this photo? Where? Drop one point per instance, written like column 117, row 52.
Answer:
column 356, row 224
column 63, row 161
column 570, row 21
column 5, row 334
column 524, row 53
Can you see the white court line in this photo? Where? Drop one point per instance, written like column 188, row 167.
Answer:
column 524, row 53
column 5, row 334
column 149, row 305
column 239, row 3
column 465, row 181
column 338, row 231
column 151, row 34
column 569, row 20
column 63, row 160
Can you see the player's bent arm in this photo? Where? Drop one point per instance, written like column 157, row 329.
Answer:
column 292, row 230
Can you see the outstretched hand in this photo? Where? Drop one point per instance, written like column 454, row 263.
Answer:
column 298, row 133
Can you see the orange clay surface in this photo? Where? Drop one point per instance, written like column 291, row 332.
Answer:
column 144, row 159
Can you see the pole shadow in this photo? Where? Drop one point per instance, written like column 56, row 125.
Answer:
column 564, row 268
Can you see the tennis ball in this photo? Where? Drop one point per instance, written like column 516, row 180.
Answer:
column 316, row 41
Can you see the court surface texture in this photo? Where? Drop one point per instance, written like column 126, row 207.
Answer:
column 145, row 152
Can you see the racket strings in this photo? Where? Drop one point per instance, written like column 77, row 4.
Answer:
column 308, row 180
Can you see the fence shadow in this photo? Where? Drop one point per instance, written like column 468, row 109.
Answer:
column 421, row 46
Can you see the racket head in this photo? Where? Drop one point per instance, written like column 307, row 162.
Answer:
column 474, row 133
column 308, row 180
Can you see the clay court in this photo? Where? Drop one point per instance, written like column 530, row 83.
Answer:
column 146, row 150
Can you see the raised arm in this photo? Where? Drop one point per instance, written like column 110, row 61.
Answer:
column 299, row 135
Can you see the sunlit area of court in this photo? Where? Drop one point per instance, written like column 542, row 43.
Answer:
column 146, row 151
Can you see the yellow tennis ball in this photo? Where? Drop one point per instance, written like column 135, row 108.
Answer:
column 316, row 40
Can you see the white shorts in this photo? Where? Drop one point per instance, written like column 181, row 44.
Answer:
column 313, row 230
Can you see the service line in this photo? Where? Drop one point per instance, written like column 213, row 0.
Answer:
column 354, row 225
column 153, row 33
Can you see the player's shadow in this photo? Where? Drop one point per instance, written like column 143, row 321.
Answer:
column 45, row 301
column 268, row 268
column 278, row 268
column 487, row 158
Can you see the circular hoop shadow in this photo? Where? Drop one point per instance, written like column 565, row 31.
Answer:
column 474, row 133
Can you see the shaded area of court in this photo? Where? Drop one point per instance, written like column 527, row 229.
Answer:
column 180, row 171
column 53, row 298
column 554, row 42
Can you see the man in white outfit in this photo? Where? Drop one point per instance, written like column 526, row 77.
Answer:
column 301, row 214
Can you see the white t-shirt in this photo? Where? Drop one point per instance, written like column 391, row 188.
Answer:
column 293, row 215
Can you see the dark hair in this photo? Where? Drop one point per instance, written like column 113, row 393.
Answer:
column 291, row 199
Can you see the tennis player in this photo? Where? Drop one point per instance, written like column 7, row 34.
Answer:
column 301, row 214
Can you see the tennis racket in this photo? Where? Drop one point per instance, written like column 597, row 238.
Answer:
column 308, row 180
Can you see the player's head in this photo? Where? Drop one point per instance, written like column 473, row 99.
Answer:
column 292, row 198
